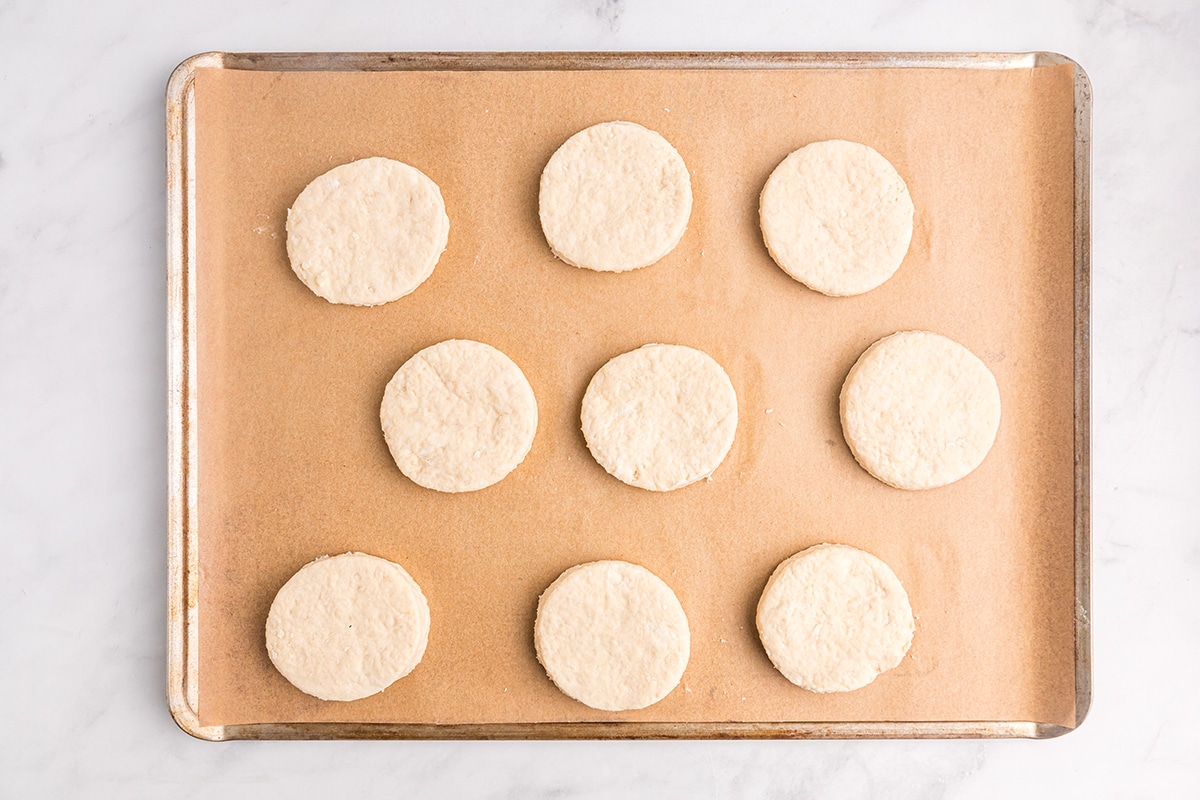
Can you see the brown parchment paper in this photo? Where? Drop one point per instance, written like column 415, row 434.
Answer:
column 292, row 463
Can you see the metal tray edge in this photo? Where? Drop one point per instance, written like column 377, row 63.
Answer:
column 1083, row 390
column 182, row 566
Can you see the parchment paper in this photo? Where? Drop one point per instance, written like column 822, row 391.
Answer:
column 293, row 464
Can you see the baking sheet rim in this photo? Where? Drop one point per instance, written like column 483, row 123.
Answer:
column 182, row 561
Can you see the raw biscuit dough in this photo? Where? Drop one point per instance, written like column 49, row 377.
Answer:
column 614, row 197
column 837, row 217
column 919, row 410
column 367, row 232
column 458, row 416
column 612, row 635
column 660, row 417
column 833, row 617
column 346, row 627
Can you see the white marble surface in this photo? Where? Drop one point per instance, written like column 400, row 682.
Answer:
column 83, row 419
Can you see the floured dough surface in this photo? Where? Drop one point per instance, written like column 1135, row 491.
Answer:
column 346, row 627
column 614, row 197
column 612, row 635
column 837, row 217
column 367, row 232
column 458, row 416
column 660, row 417
column 833, row 617
column 919, row 410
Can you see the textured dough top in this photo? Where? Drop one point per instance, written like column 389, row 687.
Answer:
column 346, row 627
column 660, row 417
column 833, row 617
column 919, row 410
column 837, row 217
column 614, row 197
column 612, row 635
column 367, row 232
column 458, row 416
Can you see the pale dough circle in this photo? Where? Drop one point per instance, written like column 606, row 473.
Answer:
column 458, row 416
column 833, row 617
column 612, row 635
column 660, row 417
column 837, row 217
column 614, row 197
column 367, row 232
column 346, row 627
column 919, row 410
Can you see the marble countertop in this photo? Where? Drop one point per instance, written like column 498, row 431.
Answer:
column 83, row 417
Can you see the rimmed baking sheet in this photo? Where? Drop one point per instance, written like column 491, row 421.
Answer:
column 276, row 455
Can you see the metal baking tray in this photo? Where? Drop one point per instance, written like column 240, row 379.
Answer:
column 183, row 563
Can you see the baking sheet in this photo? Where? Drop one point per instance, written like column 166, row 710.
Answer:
column 291, row 463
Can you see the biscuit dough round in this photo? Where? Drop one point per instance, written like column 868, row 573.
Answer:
column 458, row 416
column 660, row 417
column 919, row 410
column 614, row 197
column 612, row 635
column 837, row 217
column 347, row 627
column 367, row 232
column 833, row 617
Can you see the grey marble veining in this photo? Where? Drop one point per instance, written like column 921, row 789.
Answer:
column 83, row 418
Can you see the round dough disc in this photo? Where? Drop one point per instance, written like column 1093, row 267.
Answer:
column 458, row 416
column 660, row 417
column 367, row 232
column 833, row 617
column 837, row 217
column 919, row 410
column 346, row 627
column 612, row 635
column 614, row 197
